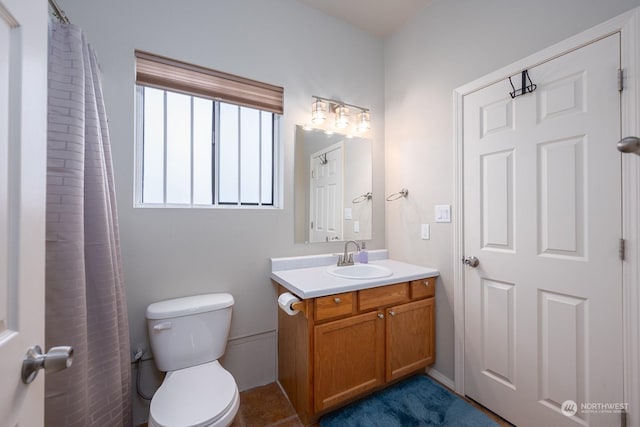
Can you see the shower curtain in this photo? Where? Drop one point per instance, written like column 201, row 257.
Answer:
column 85, row 299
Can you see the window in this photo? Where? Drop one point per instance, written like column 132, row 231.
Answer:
column 204, row 138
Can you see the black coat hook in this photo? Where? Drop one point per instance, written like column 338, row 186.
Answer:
column 526, row 88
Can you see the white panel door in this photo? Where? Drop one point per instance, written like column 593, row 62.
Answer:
column 542, row 213
column 326, row 194
column 23, row 95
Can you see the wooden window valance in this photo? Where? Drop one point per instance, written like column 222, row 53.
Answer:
column 169, row 74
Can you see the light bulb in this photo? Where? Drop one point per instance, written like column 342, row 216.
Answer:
column 318, row 112
column 364, row 121
column 342, row 116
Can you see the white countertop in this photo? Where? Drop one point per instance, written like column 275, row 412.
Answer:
column 314, row 281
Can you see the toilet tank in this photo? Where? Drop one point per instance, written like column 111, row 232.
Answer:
column 189, row 331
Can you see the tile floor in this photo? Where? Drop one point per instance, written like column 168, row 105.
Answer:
column 267, row 406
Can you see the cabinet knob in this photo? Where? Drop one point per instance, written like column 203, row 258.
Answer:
column 426, row 283
column 337, row 300
column 392, row 313
column 380, row 316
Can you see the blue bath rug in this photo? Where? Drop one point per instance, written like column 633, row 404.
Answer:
column 418, row 401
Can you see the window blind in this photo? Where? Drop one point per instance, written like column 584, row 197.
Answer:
column 169, row 74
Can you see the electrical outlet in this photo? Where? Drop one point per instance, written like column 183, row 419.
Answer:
column 425, row 232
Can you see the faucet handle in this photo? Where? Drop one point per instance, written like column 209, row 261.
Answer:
column 340, row 260
column 350, row 261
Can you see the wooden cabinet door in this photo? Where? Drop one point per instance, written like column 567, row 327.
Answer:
column 348, row 358
column 410, row 337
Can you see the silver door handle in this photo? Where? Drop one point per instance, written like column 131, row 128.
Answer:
column 471, row 261
column 630, row 144
column 56, row 359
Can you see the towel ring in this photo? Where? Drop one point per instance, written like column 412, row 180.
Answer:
column 395, row 196
column 362, row 198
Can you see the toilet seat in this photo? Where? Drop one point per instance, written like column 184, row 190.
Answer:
column 198, row 396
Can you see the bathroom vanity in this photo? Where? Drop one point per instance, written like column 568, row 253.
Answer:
column 352, row 336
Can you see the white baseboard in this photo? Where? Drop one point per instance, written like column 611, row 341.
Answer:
column 252, row 359
column 442, row 378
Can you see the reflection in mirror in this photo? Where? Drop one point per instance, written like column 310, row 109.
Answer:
column 333, row 187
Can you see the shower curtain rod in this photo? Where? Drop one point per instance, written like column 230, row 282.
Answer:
column 59, row 13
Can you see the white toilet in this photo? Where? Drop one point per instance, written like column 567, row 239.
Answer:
column 187, row 336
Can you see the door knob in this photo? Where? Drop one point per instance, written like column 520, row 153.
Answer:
column 56, row 359
column 471, row 261
column 630, row 144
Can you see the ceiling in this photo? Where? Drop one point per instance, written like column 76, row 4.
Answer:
column 378, row 17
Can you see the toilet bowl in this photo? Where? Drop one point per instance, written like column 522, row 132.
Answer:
column 187, row 337
column 204, row 395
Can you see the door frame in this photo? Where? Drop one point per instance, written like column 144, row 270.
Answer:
column 627, row 24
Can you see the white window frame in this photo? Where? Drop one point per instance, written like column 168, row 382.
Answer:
column 277, row 181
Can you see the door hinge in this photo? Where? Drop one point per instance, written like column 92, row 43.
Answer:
column 620, row 80
column 621, row 249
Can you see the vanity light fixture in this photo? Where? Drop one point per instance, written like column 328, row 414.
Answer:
column 318, row 111
column 320, row 106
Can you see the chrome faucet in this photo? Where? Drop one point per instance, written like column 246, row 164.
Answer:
column 347, row 258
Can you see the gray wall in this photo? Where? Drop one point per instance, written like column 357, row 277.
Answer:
column 174, row 252
column 357, row 181
column 448, row 44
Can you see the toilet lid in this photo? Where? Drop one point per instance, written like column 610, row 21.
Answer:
column 193, row 397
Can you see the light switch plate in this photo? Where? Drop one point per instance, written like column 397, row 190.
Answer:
column 356, row 226
column 425, row 232
column 348, row 213
column 443, row 213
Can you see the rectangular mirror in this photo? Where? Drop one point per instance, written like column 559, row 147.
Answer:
column 333, row 187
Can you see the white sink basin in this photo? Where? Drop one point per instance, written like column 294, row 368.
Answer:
column 360, row 271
